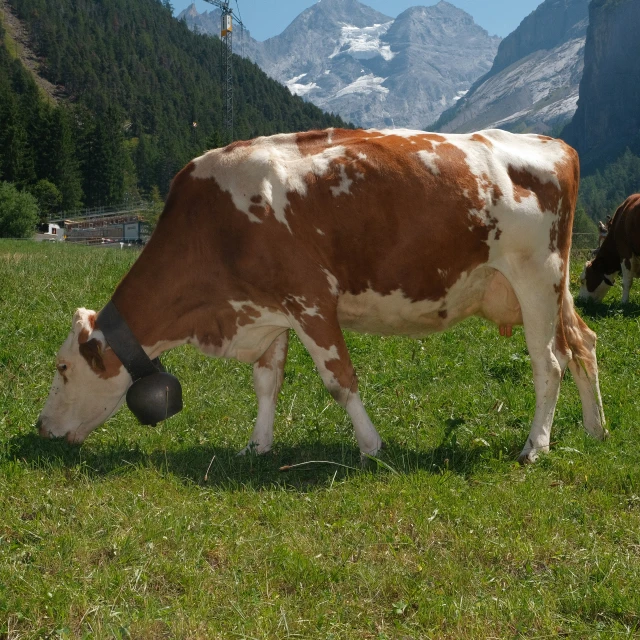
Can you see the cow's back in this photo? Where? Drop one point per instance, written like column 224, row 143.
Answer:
column 392, row 210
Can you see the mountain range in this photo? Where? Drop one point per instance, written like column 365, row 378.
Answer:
column 370, row 68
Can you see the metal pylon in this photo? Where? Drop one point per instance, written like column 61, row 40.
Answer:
column 226, row 37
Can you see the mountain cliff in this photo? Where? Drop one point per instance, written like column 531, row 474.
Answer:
column 608, row 116
column 371, row 69
column 533, row 83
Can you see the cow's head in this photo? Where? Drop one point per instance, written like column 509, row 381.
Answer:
column 594, row 282
column 89, row 385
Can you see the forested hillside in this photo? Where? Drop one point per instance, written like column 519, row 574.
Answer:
column 136, row 81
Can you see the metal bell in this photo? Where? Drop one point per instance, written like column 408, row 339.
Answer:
column 155, row 397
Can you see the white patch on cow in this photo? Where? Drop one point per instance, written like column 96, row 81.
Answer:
column 345, row 183
column 402, row 133
column 430, row 159
column 270, row 167
column 319, row 231
column 526, row 152
column 330, row 133
column 333, row 282
column 361, row 156
column 302, row 302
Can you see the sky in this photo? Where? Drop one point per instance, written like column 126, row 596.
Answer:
column 266, row 18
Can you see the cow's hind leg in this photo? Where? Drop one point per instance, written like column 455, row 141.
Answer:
column 322, row 337
column 540, row 308
column 584, row 368
column 268, row 374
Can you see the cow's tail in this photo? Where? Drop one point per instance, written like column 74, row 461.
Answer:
column 575, row 339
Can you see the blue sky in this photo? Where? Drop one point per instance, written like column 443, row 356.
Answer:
column 266, row 18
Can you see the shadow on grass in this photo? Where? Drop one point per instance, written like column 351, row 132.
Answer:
column 300, row 468
column 597, row 310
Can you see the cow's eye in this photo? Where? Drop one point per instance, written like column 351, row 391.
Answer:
column 62, row 367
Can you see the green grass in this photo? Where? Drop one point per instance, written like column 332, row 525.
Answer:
column 164, row 533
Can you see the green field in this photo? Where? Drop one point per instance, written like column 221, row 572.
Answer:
column 164, row 533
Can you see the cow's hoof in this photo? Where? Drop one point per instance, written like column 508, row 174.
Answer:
column 368, row 458
column 255, row 449
column 530, row 454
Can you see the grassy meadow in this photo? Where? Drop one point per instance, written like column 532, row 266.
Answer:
column 165, row 533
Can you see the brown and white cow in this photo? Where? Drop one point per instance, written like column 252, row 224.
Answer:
column 618, row 253
column 387, row 232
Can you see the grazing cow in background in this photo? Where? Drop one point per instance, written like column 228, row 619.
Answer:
column 387, row 232
column 619, row 252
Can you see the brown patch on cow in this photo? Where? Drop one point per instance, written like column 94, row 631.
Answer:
column 103, row 362
column 545, row 139
column 561, row 342
column 553, row 236
column 490, row 188
column 432, row 137
column 526, row 184
column 478, row 138
column 312, row 142
column 497, row 234
column 343, row 372
column 247, row 314
column 443, row 313
column 91, row 351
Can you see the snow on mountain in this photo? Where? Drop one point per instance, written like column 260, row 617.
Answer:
column 364, row 85
column 373, row 70
column 363, row 43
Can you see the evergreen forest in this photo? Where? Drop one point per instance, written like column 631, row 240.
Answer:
column 138, row 95
column 141, row 96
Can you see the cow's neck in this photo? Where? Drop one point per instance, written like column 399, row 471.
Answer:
column 162, row 301
column 607, row 260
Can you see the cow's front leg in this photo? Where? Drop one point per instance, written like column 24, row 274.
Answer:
column 627, row 279
column 268, row 374
column 322, row 337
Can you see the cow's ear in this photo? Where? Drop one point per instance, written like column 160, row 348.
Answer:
column 91, row 343
column 83, row 320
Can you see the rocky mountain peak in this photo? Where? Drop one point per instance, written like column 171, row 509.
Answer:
column 551, row 24
column 190, row 11
column 533, row 82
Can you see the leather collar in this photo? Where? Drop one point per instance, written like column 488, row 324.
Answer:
column 124, row 344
